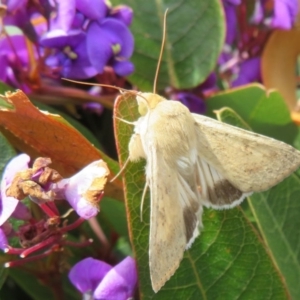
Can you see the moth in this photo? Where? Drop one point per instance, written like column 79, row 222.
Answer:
column 194, row 161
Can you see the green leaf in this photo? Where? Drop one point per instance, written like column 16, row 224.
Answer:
column 4, row 88
column 3, row 275
column 33, row 286
column 7, row 152
column 229, row 116
column 195, row 34
column 113, row 215
column 30, row 285
column 266, row 112
column 13, row 30
column 227, row 261
column 277, row 211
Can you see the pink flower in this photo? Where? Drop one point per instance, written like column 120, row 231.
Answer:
column 11, row 205
column 84, row 190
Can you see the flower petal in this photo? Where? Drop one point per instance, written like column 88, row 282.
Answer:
column 285, row 12
column 9, row 204
column 233, row 2
column 258, row 13
column 231, row 23
column 92, row 9
column 123, row 68
column 193, row 102
column 4, row 66
column 119, row 34
column 79, row 67
column 250, row 71
column 66, row 13
column 113, row 33
column 13, row 43
column 13, row 5
column 98, row 46
column 122, row 13
column 21, row 212
column 209, row 83
column 58, row 38
column 78, row 21
column 83, row 189
column 88, row 273
column 119, row 283
column 3, row 239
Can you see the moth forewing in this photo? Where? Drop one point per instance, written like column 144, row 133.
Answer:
column 167, row 136
column 167, row 238
column 249, row 161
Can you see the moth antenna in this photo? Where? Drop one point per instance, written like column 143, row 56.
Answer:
column 122, row 169
column 125, row 121
column 100, row 84
column 161, row 51
column 142, row 202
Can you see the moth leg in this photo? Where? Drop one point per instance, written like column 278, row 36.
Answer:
column 125, row 121
column 135, row 147
column 142, row 202
column 122, row 169
column 136, row 152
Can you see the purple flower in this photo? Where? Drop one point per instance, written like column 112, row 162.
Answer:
column 88, row 38
column 5, row 232
column 249, row 72
column 3, row 239
column 15, row 58
column 231, row 20
column 114, row 47
column 23, row 15
column 11, row 205
column 283, row 15
column 13, row 5
column 66, row 12
column 85, row 189
column 233, row 2
column 122, row 13
column 72, row 56
column 210, row 82
column 258, row 12
column 94, row 107
column 16, row 13
column 97, row 278
column 285, row 12
column 92, row 9
column 193, row 102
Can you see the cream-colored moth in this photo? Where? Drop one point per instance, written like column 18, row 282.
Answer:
column 195, row 161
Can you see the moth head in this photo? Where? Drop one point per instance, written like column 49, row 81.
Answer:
column 147, row 101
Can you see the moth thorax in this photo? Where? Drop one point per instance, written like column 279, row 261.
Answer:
column 147, row 101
